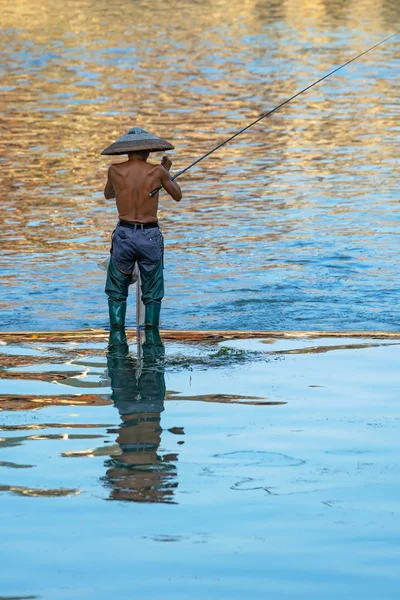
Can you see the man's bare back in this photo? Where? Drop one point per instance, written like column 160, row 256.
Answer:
column 131, row 183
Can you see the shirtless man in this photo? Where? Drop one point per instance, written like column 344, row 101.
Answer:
column 137, row 236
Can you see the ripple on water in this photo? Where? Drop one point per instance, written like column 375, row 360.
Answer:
column 262, row 459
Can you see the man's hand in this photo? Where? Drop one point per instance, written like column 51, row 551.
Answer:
column 166, row 162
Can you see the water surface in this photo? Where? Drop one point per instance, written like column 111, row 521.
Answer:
column 273, row 471
column 293, row 226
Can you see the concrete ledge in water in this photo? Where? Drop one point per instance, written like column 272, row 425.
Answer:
column 89, row 335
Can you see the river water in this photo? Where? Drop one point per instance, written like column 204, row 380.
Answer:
column 257, row 469
column 293, row 226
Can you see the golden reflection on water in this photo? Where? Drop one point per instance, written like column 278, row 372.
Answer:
column 320, row 174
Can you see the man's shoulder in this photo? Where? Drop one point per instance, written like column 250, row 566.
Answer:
column 152, row 166
column 159, row 169
column 116, row 166
column 155, row 171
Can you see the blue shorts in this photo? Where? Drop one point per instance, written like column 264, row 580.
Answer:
column 134, row 244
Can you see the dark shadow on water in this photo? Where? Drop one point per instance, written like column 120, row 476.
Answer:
column 18, row 597
column 140, row 473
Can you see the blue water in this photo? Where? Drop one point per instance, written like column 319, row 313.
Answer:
column 295, row 225
column 274, row 473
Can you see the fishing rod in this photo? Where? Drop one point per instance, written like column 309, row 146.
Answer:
column 274, row 110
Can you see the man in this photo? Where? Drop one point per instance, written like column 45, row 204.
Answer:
column 137, row 237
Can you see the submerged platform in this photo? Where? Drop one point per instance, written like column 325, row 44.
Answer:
column 192, row 335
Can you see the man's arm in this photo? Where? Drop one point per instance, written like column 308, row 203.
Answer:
column 171, row 187
column 109, row 189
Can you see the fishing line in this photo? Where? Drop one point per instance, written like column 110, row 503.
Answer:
column 274, row 110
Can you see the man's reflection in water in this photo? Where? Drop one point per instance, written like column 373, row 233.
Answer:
column 140, row 473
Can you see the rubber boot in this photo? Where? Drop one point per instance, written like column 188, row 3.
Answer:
column 117, row 286
column 117, row 312
column 152, row 285
column 153, row 348
column 152, row 315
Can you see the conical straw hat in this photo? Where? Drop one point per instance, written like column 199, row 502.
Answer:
column 137, row 139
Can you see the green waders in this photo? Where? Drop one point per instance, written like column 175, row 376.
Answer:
column 152, row 284
column 117, row 287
